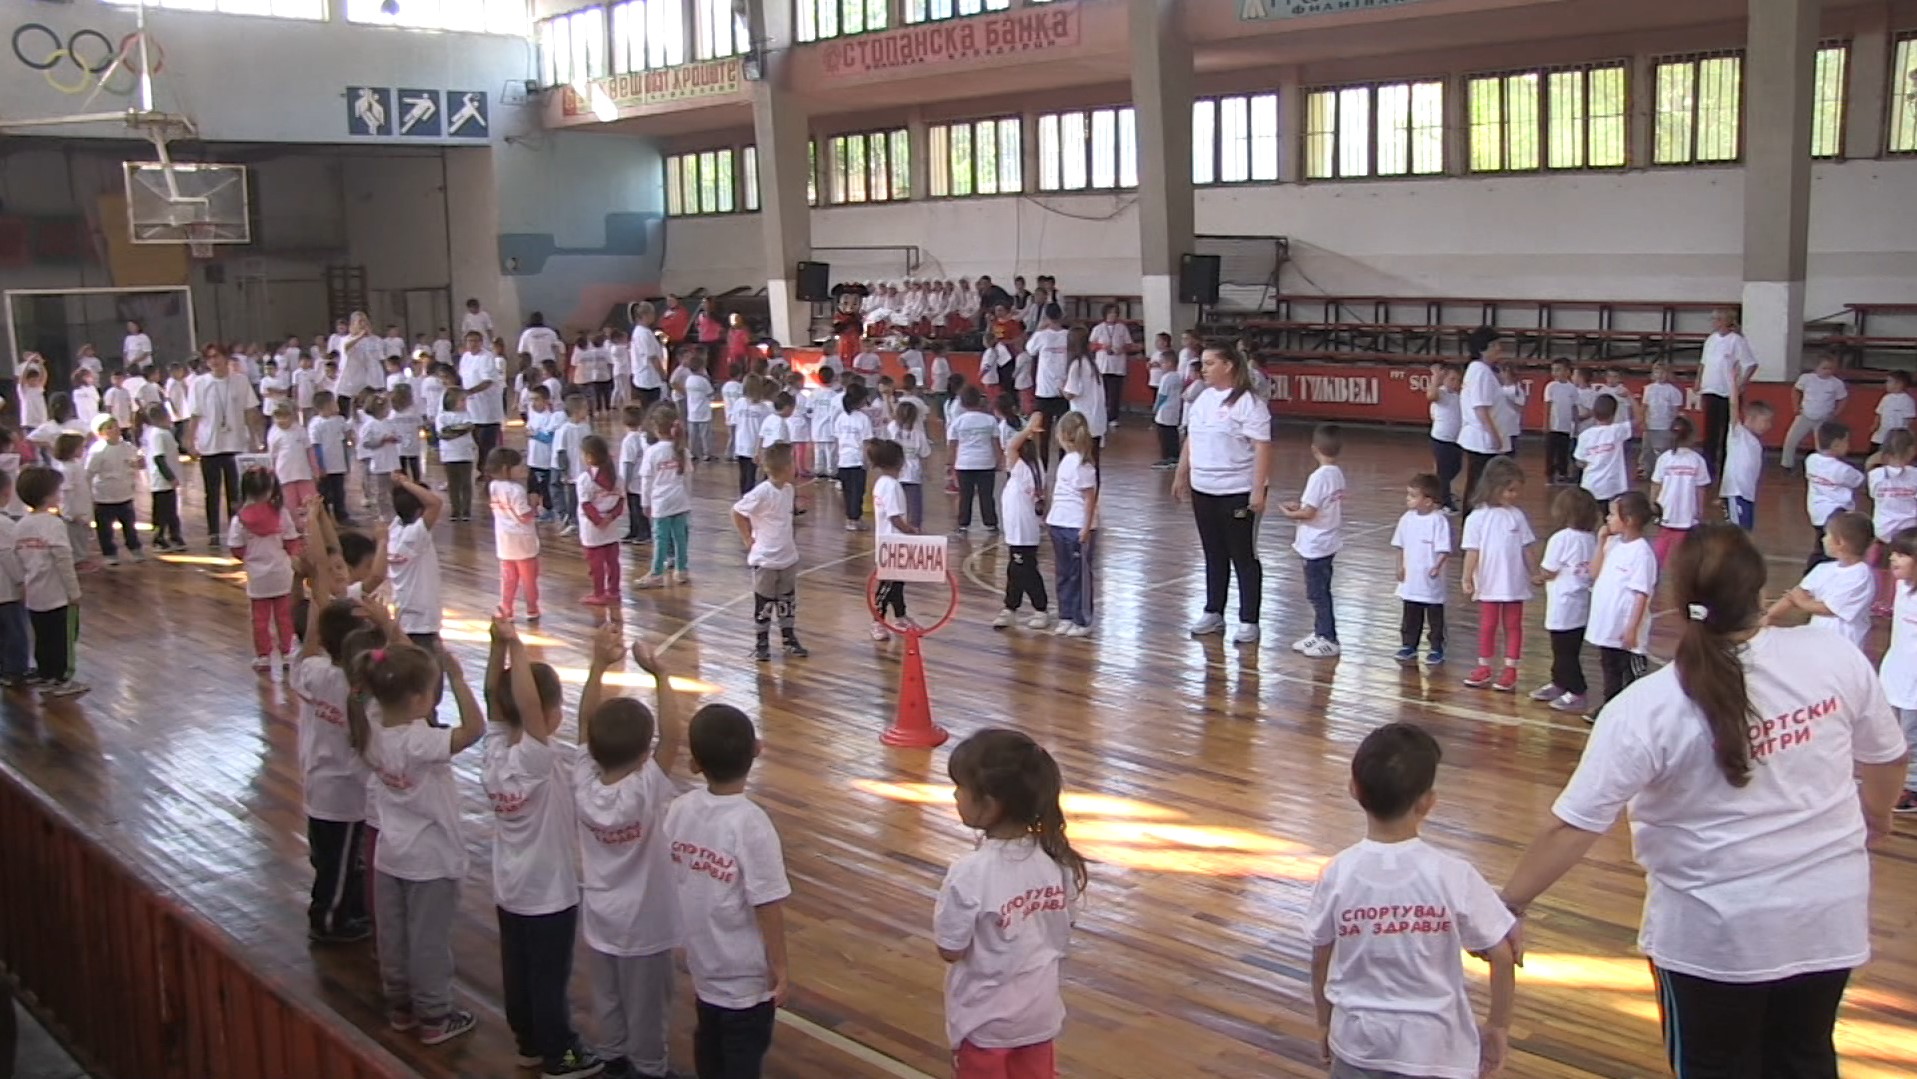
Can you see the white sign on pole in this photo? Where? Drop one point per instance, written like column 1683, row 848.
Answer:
column 911, row 558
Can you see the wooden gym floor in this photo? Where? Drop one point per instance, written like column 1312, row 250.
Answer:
column 1206, row 781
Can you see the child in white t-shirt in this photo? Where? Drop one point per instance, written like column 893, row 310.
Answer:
column 764, row 520
column 1895, row 409
column 632, row 451
column 1072, row 521
column 1892, row 483
column 1496, row 574
column 1565, row 573
column 1836, row 593
column 1819, row 394
column 630, row 909
column 162, row 455
column 1560, row 422
column 1624, row 578
column 1663, row 401
column 1601, row 449
column 529, row 776
column 292, row 453
column 1677, row 489
column 1003, row 919
column 885, row 459
column 413, row 561
column 326, row 433
column 1830, row 484
column 1019, row 502
column 1168, row 408
column 730, row 875
column 515, row 532
column 333, row 774
column 1320, row 513
column 1899, row 670
column 1387, row 977
column 1423, row 540
column 1744, row 465
column 420, row 858
column 264, row 538
column 378, row 445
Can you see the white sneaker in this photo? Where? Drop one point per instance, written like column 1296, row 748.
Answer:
column 569, row 529
column 113, row 560
column 1062, row 629
column 262, row 663
column 1303, row 644
column 1246, row 633
column 851, row 526
column 1207, row 623
column 1321, row 648
column 139, row 556
column 880, row 633
column 1041, row 620
column 1077, row 630
column 1005, row 618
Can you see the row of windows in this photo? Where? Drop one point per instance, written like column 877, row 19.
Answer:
column 635, row 35
column 712, row 182
column 821, row 19
column 475, row 16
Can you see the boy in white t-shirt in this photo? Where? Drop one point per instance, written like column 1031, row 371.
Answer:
column 1895, row 409
column 629, row 910
column 1830, row 484
column 1818, row 394
column 1677, row 489
column 1601, row 450
column 1423, row 540
column 1663, row 401
column 1320, row 516
column 1836, row 593
column 729, row 870
column 1168, row 410
column 1744, row 465
column 1390, row 920
column 413, row 561
column 1560, row 422
column 764, row 520
column 632, row 450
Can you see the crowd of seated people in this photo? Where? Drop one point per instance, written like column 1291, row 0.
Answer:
column 954, row 311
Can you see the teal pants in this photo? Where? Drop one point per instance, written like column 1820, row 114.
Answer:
column 669, row 542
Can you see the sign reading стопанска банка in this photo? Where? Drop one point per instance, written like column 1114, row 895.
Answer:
column 1260, row 10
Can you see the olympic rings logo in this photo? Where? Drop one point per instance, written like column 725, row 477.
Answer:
column 89, row 52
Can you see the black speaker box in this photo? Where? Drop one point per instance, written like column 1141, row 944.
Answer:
column 815, row 282
column 1198, row 279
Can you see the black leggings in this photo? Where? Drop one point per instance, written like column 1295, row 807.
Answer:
column 748, row 475
column 486, row 437
column 977, row 481
column 1449, row 457
column 1757, row 1030
column 1114, row 394
column 1474, row 463
column 852, row 485
column 890, row 599
column 1717, row 429
column 217, row 470
column 1023, row 580
column 1228, row 532
column 1567, row 661
column 1557, row 455
column 1053, row 408
column 1416, row 617
column 1620, row 668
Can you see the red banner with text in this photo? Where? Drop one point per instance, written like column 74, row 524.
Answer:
column 1006, row 33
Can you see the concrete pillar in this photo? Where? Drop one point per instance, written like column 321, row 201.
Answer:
column 1867, row 75
column 1780, row 59
column 1643, row 105
column 920, row 154
column 1161, row 96
column 1291, row 127
column 779, row 127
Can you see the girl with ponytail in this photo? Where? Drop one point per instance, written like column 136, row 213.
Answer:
column 1004, row 913
column 1756, row 768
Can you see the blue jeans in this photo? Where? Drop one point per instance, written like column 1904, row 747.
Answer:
column 1741, row 511
column 15, row 635
column 1324, row 621
column 1074, row 567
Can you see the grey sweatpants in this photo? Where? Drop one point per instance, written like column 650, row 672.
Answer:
column 1908, row 717
column 1654, row 443
column 1341, row 1070
column 632, row 1005
column 415, row 921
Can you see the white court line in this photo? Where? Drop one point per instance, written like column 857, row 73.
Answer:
column 851, row 1048
column 679, row 634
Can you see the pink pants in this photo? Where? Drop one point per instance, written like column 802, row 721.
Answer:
column 1490, row 615
column 514, row 572
column 602, row 563
column 1025, row 1062
column 267, row 612
column 296, row 495
column 1666, row 542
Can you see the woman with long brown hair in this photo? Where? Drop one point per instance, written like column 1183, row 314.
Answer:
column 1225, row 468
column 1756, row 769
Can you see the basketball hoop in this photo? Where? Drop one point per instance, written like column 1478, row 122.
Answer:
column 199, row 239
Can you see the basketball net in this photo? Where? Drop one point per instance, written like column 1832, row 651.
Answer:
column 199, row 239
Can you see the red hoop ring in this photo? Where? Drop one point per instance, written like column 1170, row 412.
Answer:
column 872, row 604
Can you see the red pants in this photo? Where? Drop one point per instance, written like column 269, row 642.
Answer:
column 1490, row 615
column 1025, row 1062
column 267, row 612
column 602, row 563
column 1666, row 542
column 296, row 495
column 514, row 572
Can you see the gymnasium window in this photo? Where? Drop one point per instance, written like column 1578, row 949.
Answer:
column 1903, row 95
column 976, row 157
column 935, row 10
column 279, row 9
column 1827, row 99
column 1090, row 150
column 1387, row 129
column 749, row 158
column 821, row 19
column 648, row 34
column 707, row 182
column 873, row 166
column 1561, row 118
column 1234, row 139
column 473, row 16
column 572, row 48
column 1699, row 109
column 720, row 29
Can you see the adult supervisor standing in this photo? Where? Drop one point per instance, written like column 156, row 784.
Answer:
column 361, row 362
column 1480, row 437
column 1050, row 346
column 648, row 355
column 1723, row 373
column 483, row 374
column 224, row 412
column 1225, row 466
column 1755, row 768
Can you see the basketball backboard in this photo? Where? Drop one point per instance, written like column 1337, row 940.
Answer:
column 177, row 203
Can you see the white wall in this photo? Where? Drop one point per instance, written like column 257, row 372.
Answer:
column 1663, row 234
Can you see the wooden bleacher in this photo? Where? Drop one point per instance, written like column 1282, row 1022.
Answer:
column 1857, row 345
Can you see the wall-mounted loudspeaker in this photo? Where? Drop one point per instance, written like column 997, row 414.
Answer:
column 1198, row 279
column 815, row 282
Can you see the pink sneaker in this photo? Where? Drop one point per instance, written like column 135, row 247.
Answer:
column 594, row 600
column 1479, row 677
column 1507, row 681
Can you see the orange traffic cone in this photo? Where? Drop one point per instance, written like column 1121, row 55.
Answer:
column 913, row 726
